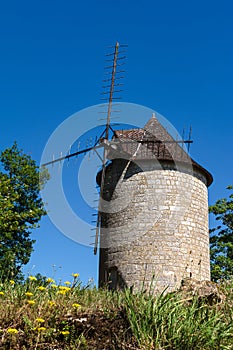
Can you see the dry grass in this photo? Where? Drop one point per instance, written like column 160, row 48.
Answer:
column 51, row 316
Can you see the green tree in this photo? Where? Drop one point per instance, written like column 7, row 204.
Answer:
column 221, row 239
column 21, row 209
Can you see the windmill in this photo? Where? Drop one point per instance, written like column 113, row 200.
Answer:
column 129, row 145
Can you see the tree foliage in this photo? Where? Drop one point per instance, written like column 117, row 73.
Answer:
column 221, row 239
column 21, row 209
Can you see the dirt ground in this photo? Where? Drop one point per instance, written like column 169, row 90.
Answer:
column 105, row 332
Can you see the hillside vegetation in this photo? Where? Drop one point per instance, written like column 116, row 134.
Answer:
column 40, row 314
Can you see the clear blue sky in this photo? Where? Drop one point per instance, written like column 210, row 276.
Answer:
column 179, row 63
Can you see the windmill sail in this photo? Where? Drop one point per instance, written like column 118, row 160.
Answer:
column 111, row 90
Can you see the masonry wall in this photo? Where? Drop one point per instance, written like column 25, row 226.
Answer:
column 156, row 224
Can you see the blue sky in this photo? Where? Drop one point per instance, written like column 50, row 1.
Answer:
column 179, row 63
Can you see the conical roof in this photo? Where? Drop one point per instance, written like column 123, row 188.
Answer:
column 153, row 141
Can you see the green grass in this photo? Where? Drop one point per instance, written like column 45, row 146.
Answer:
column 169, row 322
column 72, row 316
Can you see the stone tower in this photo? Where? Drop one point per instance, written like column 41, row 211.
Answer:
column 154, row 220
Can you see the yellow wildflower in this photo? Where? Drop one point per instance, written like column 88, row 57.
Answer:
column 12, row 331
column 41, row 288
column 41, row 329
column 65, row 332
column 32, row 278
column 51, row 303
column 64, row 288
column 75, row 275
column 67, row 283
column 40, row 320
column 50, row 280
column 29, row 294
column 12, row 282
column 76, row 305
column 53, row 286
column 62, row 292
column 2, row 293
column 31, row 302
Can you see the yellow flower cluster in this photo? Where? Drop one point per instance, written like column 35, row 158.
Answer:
column 41, row 288
column 41, row 329
column 76, row 305
column 12, row 282
column 65, row 332
column 63, row 290
column 50, row 280
column 75, row 275
column 51, row 303
column 12, row 331
column 29, row 294
column 32, row 278
column 31, row 302
column 2, row 293
column 40, row 320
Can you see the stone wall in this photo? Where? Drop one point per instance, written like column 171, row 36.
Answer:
column 155, row 223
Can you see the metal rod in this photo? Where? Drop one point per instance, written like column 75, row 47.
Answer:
column 111, row 91
column 98, row 223
column 76, row 153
